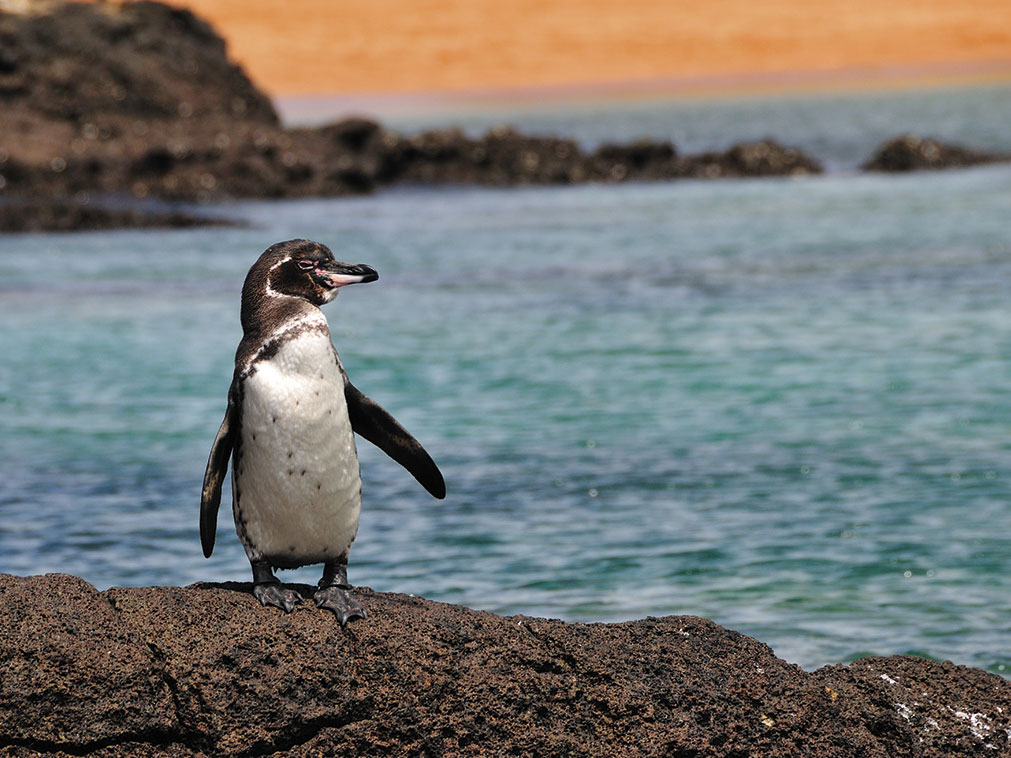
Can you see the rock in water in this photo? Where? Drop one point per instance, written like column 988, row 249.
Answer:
column 749, row 159
column 204, row 670
column 912, row 153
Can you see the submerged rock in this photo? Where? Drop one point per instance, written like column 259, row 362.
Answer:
column 912, row 153
column 204, row 670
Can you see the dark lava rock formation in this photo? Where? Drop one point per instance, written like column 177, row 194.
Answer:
column 912, row 153
column 106, row 64
column 107, row 99
column 206, row 671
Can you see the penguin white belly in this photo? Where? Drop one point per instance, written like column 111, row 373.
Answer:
column 297, row 488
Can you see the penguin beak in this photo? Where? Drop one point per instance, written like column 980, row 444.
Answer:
column 337, row 274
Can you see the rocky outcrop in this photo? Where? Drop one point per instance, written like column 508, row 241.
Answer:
column 106, row 101
column 107, row 63
column 103, row 99
column 93, row 94
column 912, row 153
column 764, row 158
column 204, row 670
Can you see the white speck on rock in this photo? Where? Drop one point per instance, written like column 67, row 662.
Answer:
column 904, row 710
column 977, row 725
column 888, row 679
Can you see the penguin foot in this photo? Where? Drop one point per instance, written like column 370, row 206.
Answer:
column 276, row 594
column 339, row 600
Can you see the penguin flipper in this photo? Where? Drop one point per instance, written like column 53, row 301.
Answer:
column 373, row 423
column 214, row 476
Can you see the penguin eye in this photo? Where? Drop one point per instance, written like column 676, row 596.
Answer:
column 306, row 265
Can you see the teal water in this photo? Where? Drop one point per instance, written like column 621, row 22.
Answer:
column 781, row 404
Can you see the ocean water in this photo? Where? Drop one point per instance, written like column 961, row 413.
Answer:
column 783, row 404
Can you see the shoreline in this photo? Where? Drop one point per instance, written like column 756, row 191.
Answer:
column 204, row 132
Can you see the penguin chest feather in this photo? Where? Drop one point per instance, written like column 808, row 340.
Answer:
column 297, row 488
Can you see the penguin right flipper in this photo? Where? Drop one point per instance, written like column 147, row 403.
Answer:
column 214, row 476
column 372, row 422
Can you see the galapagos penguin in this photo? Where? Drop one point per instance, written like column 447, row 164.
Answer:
column 289, row 429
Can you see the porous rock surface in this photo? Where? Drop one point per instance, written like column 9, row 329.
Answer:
column 205, row 671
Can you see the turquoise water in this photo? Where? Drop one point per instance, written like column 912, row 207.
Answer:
column 781, row 404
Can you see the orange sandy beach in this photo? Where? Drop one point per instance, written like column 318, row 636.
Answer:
column 411, row 46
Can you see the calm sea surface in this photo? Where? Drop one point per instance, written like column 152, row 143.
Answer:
column 781, row 404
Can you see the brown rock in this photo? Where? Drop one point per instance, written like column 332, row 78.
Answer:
column 204, row 670
column 643, row 159
column 72, row 672
column 749, row 159
column 912, row 153
column 107, row 98
column 502, row 157
column 106, row 63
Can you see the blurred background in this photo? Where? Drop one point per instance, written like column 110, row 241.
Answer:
column 779, row 399
column 441, row 46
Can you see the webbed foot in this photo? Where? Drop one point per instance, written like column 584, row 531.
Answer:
column 339, row 600
column 334, row 593
column 277, row 595
column 269, row 591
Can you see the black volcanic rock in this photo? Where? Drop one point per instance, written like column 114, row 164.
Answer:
column 101, row 63
column 912, row 153
column 204, row 670
column 643, row 159
column 502, row 157
column 102, row 99
column 750, row 159
column 106, row 98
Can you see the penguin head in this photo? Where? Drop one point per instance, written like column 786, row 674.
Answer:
column 302, row 269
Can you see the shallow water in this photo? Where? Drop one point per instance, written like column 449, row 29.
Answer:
column 781, row 404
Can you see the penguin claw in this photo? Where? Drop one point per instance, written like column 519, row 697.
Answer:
column 339, row 600
column 277, row 595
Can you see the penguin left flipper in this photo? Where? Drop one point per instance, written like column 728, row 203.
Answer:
column 373, row 423
column 214, row 476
